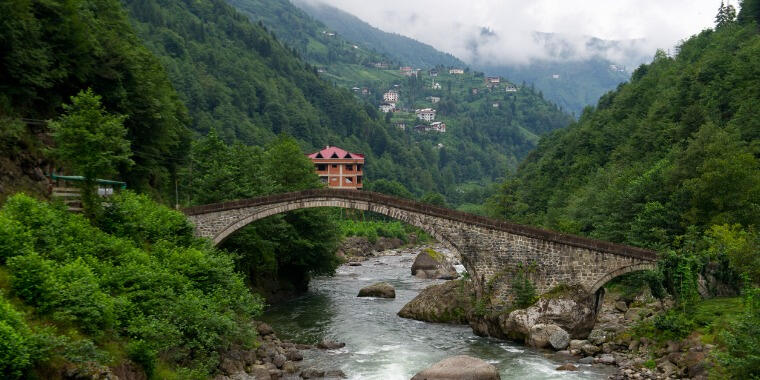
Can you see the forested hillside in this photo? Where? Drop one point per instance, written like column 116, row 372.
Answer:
column 399, row 48
column 578, row 83
column 237, row 78
column 669, row 161
column 49, row 52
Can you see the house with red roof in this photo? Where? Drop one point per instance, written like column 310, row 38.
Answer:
column 338, row 168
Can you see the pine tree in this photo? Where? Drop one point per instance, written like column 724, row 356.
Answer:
column 726, row 15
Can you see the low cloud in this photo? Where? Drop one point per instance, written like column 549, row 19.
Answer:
column 514, row 32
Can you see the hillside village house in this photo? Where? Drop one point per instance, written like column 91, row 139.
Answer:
column 337, row 168
column 434, row 99
column 390, row 96
column 400, row 125
column 405, row 69
column 456, row 71
column 435, row 86
column 433, row 72
column 387, row 107
column 474, row 91
column 511, row 88
column 434, row 127
column 492, row 82
column 427, row 114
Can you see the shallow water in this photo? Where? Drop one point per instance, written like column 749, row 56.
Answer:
column 381, row 345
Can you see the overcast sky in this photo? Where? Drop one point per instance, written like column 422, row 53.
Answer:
column 456, row 26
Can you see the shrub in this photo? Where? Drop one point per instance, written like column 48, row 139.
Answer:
column 30, row 275
column 741, row 356
column 14, row 239
column 15, row 351
column 674, row 324
column 142, row 353
column 76, row 296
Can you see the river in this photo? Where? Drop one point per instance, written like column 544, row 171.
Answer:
column 381, row 345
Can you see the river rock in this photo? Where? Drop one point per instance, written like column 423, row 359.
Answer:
column 430, row 264
column 621, row 306
column 567, row 367
column 356, row 246
column 312, row 373
column 330, row 345
column 264, row 329
column 380, row 290
column 459, row 367
column 385, row 243
column 574, row 311
column 449, row 302
column 548, row 335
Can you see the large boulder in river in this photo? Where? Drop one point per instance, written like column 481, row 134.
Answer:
column 433, row 265
column 355, row 246
column 460, row 367
column 449, row 302
column 380, row 290
column 572, row 309
column 548, row 335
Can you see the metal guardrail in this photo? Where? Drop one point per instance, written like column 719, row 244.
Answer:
column 436, row 211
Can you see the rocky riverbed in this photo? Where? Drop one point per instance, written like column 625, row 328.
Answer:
column 382, row 345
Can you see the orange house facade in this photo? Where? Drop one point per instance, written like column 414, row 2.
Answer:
column 339, row 169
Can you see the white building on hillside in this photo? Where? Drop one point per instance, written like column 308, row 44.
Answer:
column 427, row 114
column 390, row 96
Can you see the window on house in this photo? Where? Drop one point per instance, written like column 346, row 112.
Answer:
column 359, row 167
column 348, row 180
column 335, row 166
column 323, row 179
column 334, row 179
column 349, row 167
column 358, row 179
column 321, row 167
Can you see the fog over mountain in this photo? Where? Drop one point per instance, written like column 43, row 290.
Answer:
column 508, row 32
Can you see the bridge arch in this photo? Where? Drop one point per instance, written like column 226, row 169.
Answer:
column 262, row 212
column 619, row 272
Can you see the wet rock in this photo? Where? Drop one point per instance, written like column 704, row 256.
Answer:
column 548, row 335
column 430, row 264
column 459, row 367
column 577, row 344
column 586, row 360
column 574, row 311
column 567, row 367
column 449, row 302
column 380, row 290
column 294, row 355
column 605, row 359
column 590, row 349
column 335, row 374
column 312, row 373
column 330, row 345
column 289, row 367
column 279, row 360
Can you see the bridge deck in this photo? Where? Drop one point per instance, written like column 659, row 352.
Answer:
column 413, row 206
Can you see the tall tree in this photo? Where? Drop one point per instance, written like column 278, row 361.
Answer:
column 92, row 141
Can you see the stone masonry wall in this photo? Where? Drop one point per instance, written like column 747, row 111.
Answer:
column 489, row 254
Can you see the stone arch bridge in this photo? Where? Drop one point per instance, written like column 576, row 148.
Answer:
column 492, row 250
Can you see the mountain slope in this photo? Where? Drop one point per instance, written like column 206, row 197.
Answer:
column 675, row 150
column 237, row 78
column 402, row 49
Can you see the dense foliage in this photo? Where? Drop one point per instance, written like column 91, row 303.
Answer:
column 49, row 51
column 669, row 161
column 139, row 279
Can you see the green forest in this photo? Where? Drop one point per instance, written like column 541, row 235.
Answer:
column 668, row 161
